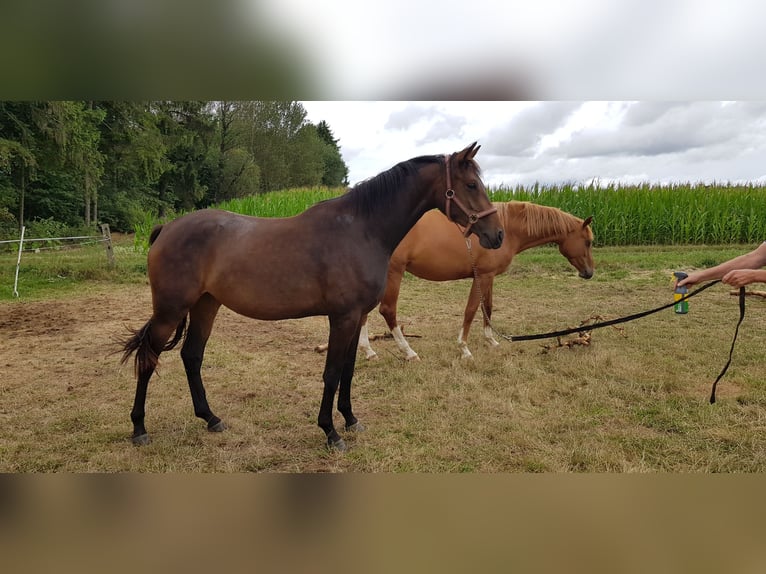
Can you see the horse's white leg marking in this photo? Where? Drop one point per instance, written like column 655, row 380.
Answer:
column 364, row 343
column 404, row 347
column 490, row 336
column 466, row 354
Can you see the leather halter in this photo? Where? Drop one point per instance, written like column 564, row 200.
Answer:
column 473, row 216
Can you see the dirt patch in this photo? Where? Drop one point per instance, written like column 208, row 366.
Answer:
column 61, row 375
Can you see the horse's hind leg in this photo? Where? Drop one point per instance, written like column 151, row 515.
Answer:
column 344, row 394
column 147, row 343
column 364, row 340
column 201, row 318
column 388, row 309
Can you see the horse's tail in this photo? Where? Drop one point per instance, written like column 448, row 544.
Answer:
column 155, row 233
column 140, row 343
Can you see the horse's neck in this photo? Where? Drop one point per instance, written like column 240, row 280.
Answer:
column 516, row 224
column 400, row 221
column 389, row 223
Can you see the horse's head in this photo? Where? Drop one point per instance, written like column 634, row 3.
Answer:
column 466, row 201
column 577, row 248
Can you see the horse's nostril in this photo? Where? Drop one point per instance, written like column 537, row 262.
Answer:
column 500, row 236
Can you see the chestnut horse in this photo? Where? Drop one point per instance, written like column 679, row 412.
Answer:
column 329, row 260
column 435, row 250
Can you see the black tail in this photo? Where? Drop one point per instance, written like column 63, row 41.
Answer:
column 140, row 344
column 155, row 233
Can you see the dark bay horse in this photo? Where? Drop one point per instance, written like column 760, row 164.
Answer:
column 434, row 249
column 329, row 260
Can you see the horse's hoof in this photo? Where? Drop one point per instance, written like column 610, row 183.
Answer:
column 356, row 427
column 337, row 445
column 372, row 357
column 217, row 427
column 141, row 440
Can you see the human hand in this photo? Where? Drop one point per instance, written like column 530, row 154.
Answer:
column 740, row 277
column 690, row 279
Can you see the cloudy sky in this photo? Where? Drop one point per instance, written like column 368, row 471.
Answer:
column 554, row 142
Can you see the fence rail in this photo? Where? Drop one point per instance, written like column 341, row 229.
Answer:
column 27, row 240
column 105, row 238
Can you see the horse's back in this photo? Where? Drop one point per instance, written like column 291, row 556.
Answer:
column 265, row 268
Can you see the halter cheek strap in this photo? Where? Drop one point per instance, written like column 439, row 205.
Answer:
column 473, row 216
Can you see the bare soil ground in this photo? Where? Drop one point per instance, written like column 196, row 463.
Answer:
column 59, row 369
column 631, row 401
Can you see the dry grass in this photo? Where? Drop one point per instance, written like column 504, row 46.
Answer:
column 632, row 401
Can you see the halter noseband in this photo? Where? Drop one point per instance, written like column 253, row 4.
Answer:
column 473, row 216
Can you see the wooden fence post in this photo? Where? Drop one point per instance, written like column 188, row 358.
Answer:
column 108, row 243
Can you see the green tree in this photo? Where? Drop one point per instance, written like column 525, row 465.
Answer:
column 82, row 152
column 80, row 162
column 305, row 160
column 135, row 158
column 33, row 141
column 272, row 134
column 188, row 130
column 237, row 174
column 335, row 171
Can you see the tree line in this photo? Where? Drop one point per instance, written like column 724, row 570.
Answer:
column 83, row 162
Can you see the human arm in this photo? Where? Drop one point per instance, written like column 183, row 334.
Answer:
column 739, row 271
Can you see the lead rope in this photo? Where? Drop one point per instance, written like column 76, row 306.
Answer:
column 610, row 322
column 734, row 340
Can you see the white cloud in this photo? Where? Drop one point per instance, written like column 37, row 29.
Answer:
column 554, row 142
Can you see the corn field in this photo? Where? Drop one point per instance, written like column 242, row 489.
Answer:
column 648, row 214
column 677, row 214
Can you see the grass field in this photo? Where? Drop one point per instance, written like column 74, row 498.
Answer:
column 634, row 401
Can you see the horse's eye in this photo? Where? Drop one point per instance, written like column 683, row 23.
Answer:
column 472, row 185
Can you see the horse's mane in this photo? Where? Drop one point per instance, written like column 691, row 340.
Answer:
column 373, row 193
column 536, row 219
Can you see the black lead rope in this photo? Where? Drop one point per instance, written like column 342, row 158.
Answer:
column 734, row 340
column 644, row 314
column 610, row 322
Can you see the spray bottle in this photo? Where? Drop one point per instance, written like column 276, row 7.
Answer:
column 679, row 296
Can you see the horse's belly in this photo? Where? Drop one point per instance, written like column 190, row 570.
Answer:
column 295, row 299
column 440, row 270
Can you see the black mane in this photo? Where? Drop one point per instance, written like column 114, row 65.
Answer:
column 371, row 194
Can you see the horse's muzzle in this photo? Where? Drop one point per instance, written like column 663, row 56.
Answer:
column 586, row 273
column 489, row 241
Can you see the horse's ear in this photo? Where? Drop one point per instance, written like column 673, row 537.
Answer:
column 468, row 153
column 587, row 222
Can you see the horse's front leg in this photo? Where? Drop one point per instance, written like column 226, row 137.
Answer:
column 344, row 395
column 339, row 366
column 487, row 283
column 474, row 299
column 480, row 299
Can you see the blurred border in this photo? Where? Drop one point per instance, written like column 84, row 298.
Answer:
column 383, row 523
column 394, row 50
